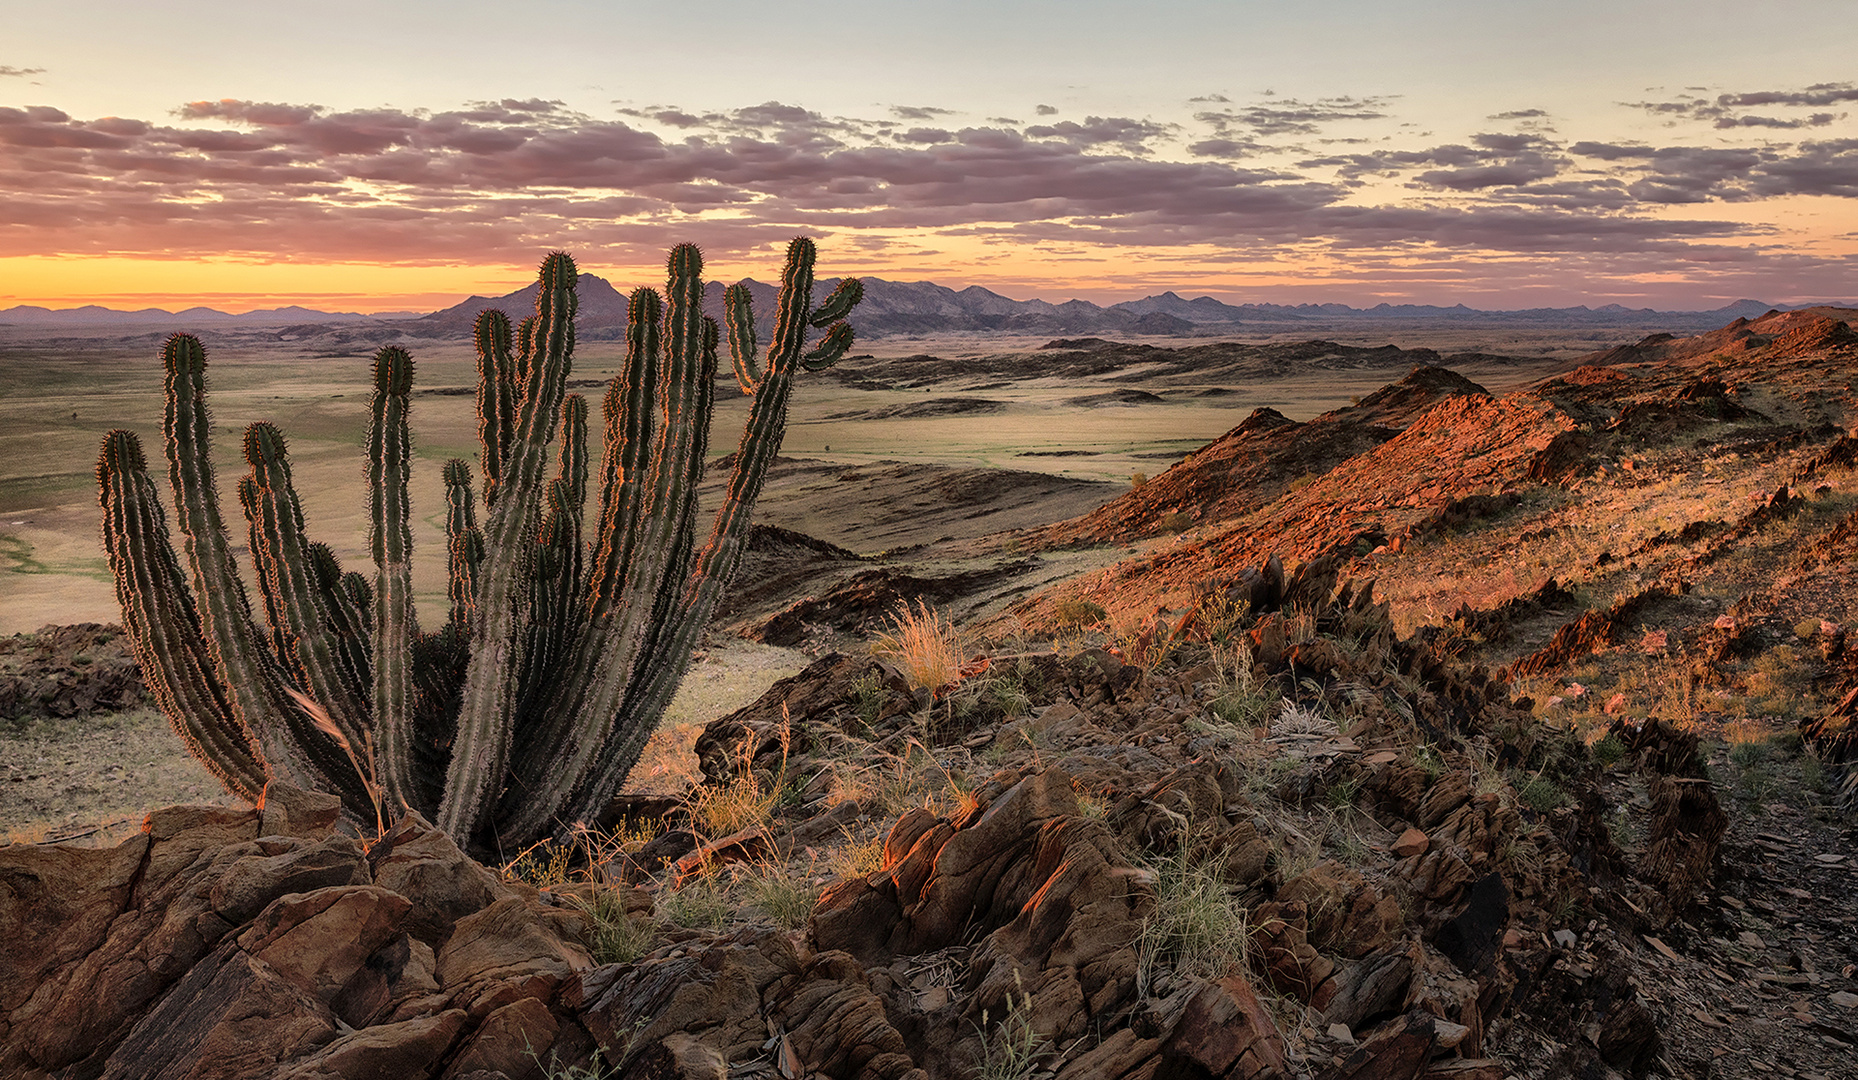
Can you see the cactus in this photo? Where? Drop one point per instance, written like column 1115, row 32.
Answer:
column 571, row 620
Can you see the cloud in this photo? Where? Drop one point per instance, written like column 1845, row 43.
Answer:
column 8, row 70
column 919, row 112
column 1519, row 114
column 1045, row 110
column 498, row 179
column 1289, row 116
column 1130, row 135
column 1723, row 110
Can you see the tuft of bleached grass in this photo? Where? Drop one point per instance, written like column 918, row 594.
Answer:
column 926, row 646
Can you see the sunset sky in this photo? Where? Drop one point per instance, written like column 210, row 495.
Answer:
column 349, row 156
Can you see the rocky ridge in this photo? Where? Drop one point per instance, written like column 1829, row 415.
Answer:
column 1406, row 907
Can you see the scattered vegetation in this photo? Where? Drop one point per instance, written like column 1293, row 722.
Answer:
column 924, row 645
column 1196, row 928
column 612, row 936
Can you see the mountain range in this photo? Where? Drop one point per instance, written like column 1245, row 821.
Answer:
column 894, row 308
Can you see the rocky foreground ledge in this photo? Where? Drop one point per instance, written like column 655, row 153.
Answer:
column 1413, row 906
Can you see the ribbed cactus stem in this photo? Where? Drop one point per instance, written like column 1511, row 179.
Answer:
column 848, row 295
column 739, row 313
column 496, row 395
column 481, row 746
column 283, row 559
column 582, row 712
column 659, row 673
column 390, row 536
column 162, row 623
column 464, row 544
column 245, row 670
column 629, row 404
column 348, row 626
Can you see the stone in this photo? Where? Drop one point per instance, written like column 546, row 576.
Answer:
column 230, row 1018
column 1397, row 1050
column 1227, row 1032
column 57, row 903
column 718, row 990
column 1844, row 999
column 1370, row 988
column 409, row 1050
column 421, row 863
column 256, row 879
column 748, row 845
column 1411, row 842
column 510, row 1040
column 1473, row 938
column 835, row 1024
column 320, row 939
column 290, row 811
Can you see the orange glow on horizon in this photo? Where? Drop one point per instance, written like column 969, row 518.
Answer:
column 237, row 287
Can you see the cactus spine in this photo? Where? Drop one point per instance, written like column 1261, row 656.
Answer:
column 572, row 612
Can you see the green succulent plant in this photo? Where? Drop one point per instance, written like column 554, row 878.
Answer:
column 569, row 625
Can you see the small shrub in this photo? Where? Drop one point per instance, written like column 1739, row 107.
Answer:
column 612, row 937
column 1241, row 703
column 747, row 802
column 1541, row 794
column 781, row 896
column 1015, row 1048
column 1430, row 762
column 542, row 864
column 1196, row 927
column 1076, row 613
column 856, row 858
column 1176, row 522
column 925, row 645
column 1607, row 751
column 701, row 903
column 1009, row 696
column 1137, row 480
column 1342, row 796
column 868, row 695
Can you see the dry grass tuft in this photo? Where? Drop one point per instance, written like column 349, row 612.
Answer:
column 926, row 646
column 1196, row 929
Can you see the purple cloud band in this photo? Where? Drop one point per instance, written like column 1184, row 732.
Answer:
column 496, row 180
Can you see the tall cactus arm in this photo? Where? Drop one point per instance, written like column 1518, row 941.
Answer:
column 496, row 395
column 284, row 560
column 525, row 355
column 251, row 500
column 246, row 669
column 630, row 399
column 464, row 544
column 659, row 674
column 739, row 313
column 556, row 583
column 572, row 476
column 663, row 669
column 349, row 626
column 390, row 535
column 162, row 623
column 847, row 296
column 558, row 750
column 831, row 349
column 481, row 745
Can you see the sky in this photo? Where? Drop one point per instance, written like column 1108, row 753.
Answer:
column 1677, row 154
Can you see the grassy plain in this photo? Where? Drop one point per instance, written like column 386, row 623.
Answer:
column 58, row 397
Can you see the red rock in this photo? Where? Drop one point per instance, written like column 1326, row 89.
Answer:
column 320, row 939
column 1411, row 842
column 1227, row 1032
